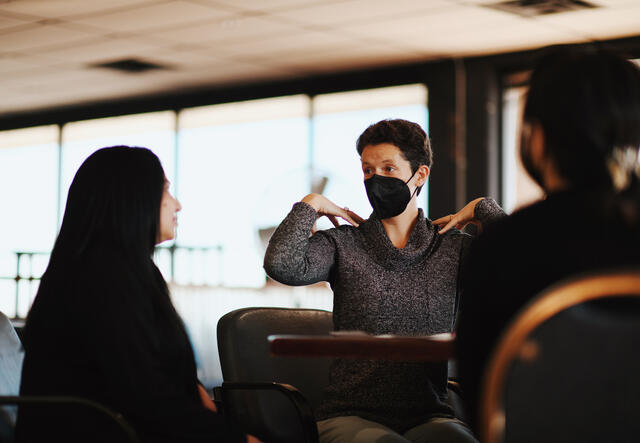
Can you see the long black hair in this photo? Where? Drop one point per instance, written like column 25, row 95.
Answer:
column 114, row 198
column 587, row 101
column 113, row 212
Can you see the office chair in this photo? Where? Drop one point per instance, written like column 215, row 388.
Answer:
column 11, row 356
column 271, row 397
column 567, row 368
column 274, row 397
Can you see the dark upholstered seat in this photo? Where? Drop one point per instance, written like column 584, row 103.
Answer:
column 271, row 397
column 567, row 369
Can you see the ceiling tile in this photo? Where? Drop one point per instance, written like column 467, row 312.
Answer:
column 61, row 8
column 512, row 37
column 300, row 41
column 225, row 73
column 156, row 15
column 8, row 22
column 267, row 5
column 439, row 23
column 180, row 59
column 340, row 58
column 96, row 50
column 233, row 28
column 39, row 36
column 598, row 23
column 223, row 42
column 359, row 11
column 17, row 63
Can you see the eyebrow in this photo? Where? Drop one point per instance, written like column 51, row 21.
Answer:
column 386, row 161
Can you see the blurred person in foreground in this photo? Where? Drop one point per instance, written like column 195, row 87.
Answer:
column 102, row 325
column 395, row 273
column 580, row 136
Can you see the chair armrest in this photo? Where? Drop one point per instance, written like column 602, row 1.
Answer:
column 455, row 399
column 126, row 428
column 245, row 413
column 454, row 385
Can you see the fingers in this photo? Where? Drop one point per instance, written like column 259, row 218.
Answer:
column 355, row 217
column 345, row 213
column 449, row 221
column 452, row 223
column 351, row 217
column 442, row 220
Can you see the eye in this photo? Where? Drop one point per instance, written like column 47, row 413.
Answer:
column 389, row 168
column 366, row 170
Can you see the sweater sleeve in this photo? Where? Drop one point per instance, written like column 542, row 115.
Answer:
column 294, row 257
column 487, row 211
column 148, row 375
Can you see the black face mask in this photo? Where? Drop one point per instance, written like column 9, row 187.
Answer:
column 389, row 196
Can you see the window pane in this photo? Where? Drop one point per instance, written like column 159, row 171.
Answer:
column 338, row 121
column 241, row 167
column 518, row 188
column 28, row 177
column 80, row 139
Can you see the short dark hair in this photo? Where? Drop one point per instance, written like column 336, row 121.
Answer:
column 587, row 101
column 409, row 137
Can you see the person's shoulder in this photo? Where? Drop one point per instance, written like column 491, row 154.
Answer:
column 344, row 231
column 524, row 217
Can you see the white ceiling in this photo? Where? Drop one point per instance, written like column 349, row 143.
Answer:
column 46, row 46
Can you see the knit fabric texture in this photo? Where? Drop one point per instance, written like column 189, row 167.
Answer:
column 379, row 289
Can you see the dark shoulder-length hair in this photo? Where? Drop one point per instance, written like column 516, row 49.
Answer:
column 587, row 101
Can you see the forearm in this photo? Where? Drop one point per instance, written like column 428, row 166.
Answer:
column 487, row 210
column 294, row 258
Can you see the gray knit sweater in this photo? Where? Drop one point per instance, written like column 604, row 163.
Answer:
column 379, row 289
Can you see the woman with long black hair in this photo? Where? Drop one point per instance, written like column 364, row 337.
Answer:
column 102, row 325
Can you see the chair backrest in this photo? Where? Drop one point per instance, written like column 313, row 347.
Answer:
column 244, row 349
column 568, row 367
column 11, row 357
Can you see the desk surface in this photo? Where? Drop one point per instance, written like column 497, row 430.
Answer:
column 439, row 347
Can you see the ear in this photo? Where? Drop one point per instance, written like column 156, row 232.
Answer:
column 422, row 174
column 537, row 143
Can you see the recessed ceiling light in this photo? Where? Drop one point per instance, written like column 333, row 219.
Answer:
column 532, row 8
column 129, row 65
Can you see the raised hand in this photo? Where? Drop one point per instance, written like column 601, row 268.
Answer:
column 326, row 207
column 460, row 219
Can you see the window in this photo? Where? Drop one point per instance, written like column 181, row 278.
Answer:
column 518, row 188
column 80, row 139
column 241, row 167
column 29, row 180
column 237, row 169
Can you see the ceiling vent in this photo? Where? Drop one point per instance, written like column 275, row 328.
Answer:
column 532, row 8
column 130, row 65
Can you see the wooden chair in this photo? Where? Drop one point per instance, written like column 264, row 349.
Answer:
column 568, row 366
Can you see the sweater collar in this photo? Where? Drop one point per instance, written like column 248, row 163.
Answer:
column 421, row 242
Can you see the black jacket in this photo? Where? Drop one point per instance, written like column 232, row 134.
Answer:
column 567, row 234
column 96, row 331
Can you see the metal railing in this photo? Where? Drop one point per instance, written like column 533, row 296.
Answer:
column 25, row 267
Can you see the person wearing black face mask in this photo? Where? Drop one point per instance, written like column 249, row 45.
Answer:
column 394, row 273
